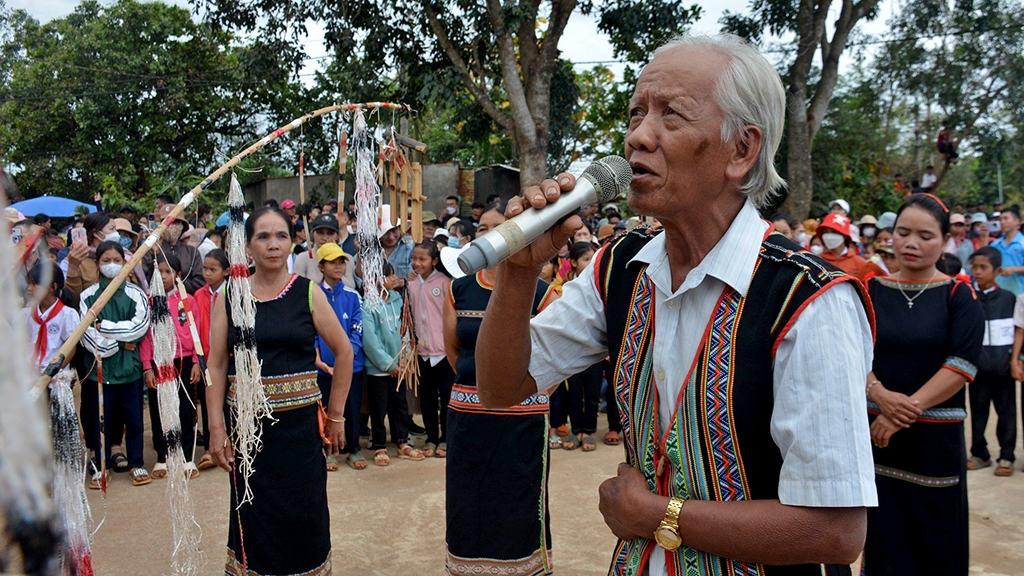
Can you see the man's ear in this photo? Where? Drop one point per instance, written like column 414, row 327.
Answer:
column 747, row 146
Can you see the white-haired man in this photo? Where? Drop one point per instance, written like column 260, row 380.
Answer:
column 739, row 359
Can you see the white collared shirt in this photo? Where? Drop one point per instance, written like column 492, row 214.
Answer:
column 819, row 420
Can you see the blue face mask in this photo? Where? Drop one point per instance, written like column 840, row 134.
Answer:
column 453, row 242
column 125, row 242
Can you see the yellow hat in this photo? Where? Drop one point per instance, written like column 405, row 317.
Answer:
column 330, row 252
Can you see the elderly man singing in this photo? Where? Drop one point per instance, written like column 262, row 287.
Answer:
column 739, row 360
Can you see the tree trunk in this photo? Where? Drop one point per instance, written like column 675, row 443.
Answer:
column 800, row 173
column 533, row 160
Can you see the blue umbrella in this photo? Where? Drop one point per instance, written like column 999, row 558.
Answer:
column 51, row 206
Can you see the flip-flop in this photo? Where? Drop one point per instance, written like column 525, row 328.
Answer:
column 380, row 457
column 137, row 476
column 429, row 449
column 611, row 438
column 95, row 484
column 206, row 462
column 191, row 471
column 976, row 463
column 159, row 471
column 1004, row 468
column 354, row 459
column 553, row 440
column 332, row 464
column 442, row 450
column 588, row 440
column 570, row 442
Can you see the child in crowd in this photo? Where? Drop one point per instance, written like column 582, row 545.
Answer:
column 216, row 270
column 186, row 365
column 382, row 342
column 993, row 385
column 114, row 338
column 583, row 394
column 345, row 301
column 50, row 322
column 428, row 293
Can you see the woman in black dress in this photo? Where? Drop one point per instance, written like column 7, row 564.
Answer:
column 497, row 465
column 285, row 528
column 929, row 333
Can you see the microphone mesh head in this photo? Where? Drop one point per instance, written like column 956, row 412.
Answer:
column 611, row 176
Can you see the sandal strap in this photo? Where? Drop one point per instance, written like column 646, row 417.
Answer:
column 139, row 472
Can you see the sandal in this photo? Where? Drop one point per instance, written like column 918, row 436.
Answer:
column 553, row 440
column 1004, row 468
column 611, row 438
column 332, row 464
column 429, row 449
column 191, row 471
column 140, row 476
column 407, row 452
column 205, row 462
column 159, row 471
column 570, row 442
column 356, row 461
column 119, row 462
column 442, row 450
column 95, row 483
column 975, row 463
column 589, row 444
column 380, row 457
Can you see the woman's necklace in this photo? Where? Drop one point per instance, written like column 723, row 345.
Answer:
column 910, row 301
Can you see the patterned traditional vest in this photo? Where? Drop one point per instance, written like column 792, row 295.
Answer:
column 719, row 447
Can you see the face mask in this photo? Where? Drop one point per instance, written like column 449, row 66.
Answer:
column 125, row 242
column 453, row 242
column 450, row 210
column 112, row 237
column 172, row 233
column 832, row 240
column 868, row 232
column 816, row 249
column 801, row 238
column 110, row 270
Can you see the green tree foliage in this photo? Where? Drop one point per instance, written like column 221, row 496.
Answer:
column 128, row 99
column 501, row 55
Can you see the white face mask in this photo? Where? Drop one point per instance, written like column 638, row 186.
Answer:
column 801, row 238
column 112, row 237
column 110, row 270
column 832, row 240
column 450, row 210
column 816, row 249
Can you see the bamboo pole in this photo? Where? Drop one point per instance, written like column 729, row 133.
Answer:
column 93, row 312
column 342, row 161
column 416, row 196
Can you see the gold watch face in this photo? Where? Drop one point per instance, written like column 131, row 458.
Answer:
column 667, row 538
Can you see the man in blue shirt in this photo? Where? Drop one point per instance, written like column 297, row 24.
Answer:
column 1011, row 246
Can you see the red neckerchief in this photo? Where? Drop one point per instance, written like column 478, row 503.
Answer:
column 41, row 343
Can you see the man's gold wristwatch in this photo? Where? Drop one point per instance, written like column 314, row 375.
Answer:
column 667, row 533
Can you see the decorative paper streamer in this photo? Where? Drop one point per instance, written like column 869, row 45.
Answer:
column 371, row 255
column 26, row 450
column 69, row 467
column 251, row 405
column 186, row 558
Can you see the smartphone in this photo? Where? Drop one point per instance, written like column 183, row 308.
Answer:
column 77, row 234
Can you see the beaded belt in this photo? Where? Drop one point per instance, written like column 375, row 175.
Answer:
column 285, row 392
column 465, row 399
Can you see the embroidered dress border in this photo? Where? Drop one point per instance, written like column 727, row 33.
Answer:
column 933, row 415
column 469, row 313
column 962, row 367
column 234, row 568
column 912, row 286
column 285, row 392
column 532, row 565
column 926, row 481
column 466, row 399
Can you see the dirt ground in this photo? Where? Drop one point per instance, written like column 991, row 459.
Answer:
column 390, row 521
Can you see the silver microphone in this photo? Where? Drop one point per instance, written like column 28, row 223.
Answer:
column 601, row 182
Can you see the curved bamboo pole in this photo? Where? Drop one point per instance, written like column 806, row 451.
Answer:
column 93, row 312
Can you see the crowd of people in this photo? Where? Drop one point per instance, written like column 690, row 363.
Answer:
column 826, row 390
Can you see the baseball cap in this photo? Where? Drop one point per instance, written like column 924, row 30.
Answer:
column 978, row 218
column 81, row 210
column 836, row 223
column 957, row 219
column 165, row 211
column 429, row 216
column 289, row 203
column 330, row 252
column 329, row 221
column 127, row 208
column 886, row 220
column 440, row 233
column 384, row 222
column 841, row 203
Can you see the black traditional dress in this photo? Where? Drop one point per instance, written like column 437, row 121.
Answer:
column 920, row 525
column 496, row 473
column 285, row 529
